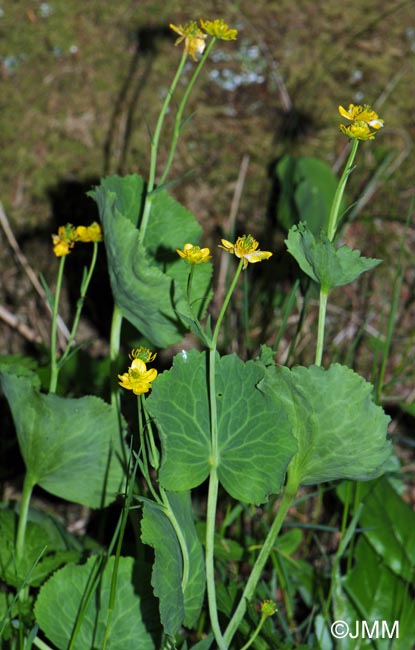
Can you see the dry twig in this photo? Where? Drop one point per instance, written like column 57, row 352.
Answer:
column 64, row 332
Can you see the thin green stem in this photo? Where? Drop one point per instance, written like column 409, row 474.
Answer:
column 324, row 294
column 344, row 542
column 338, row 196
column 115, row 341
column 178, row 122
column 286, row 501
column 53, row 337
column 210, row 558
column 80, row 303
column 226, row 303
column 155, row 140
column 28, row 486
column 212, row 499
column 41, row 644
column 153, row 452
column 128, row 495
column 255, row 634
column 143, row 447
column 115, row 338
column 168, row 511
column 332, row 226
column 213, row 477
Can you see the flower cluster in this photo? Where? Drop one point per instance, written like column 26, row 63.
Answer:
column 195, row 38
column 246, row 248
column 363, row 119
column 68, row 235
column 194, row 254
column 138, row 378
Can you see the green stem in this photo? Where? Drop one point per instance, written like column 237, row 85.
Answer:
column 128, row 495
column 28, row 486
column 286, row 501
column 178, row 121
column 79, row 305
column 213, row 477
column 143, row 447
column 255, row 634
column 155, row 140
column 115, row 341
column 226, row 303
column 180, row 537
column 324, row 294
column 338, row 196
column 153, row 452
column 332, row 226
column 53, row 337
column 210, row 557
column 115, row 338
column 41, row 644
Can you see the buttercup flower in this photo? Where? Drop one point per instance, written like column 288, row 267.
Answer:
column 193, row 37
column 219, row 29
column 268, row 608
column 64, row 241
column 142, row 353
column 138, row 378
column 363, row 119
column 194, row 254
column 246, row 248
column 358, row 131
column 89, row 233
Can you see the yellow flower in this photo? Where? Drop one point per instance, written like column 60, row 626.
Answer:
column 142, row 353
column 138, row 378
column 364, row 119
column 89, row 233
column 268, row 608
column 219, row 29
column 194, row 39
column 364, row 113
column 358, row 131
column 246, row 248
column 64, row 241
column 194, row 254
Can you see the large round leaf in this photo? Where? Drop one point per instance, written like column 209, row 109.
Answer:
column 71, row 447
column 255, row 442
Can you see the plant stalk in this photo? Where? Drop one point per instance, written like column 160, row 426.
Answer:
column 155, row 140
column 54, row 371
column 288, row 497
column 332, row 226
column 80, row 304
column 338, row 195
column 178, row 122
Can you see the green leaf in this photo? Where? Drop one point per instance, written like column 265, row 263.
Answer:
column 324, row 263
column 389, row 525
column 341, row 433
column 306, row 191
column 133, row 623
column 371, row 592
column 71, row 447
column 255, row 442
column 45, row 550
column 148, row 279
column 179, row 604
